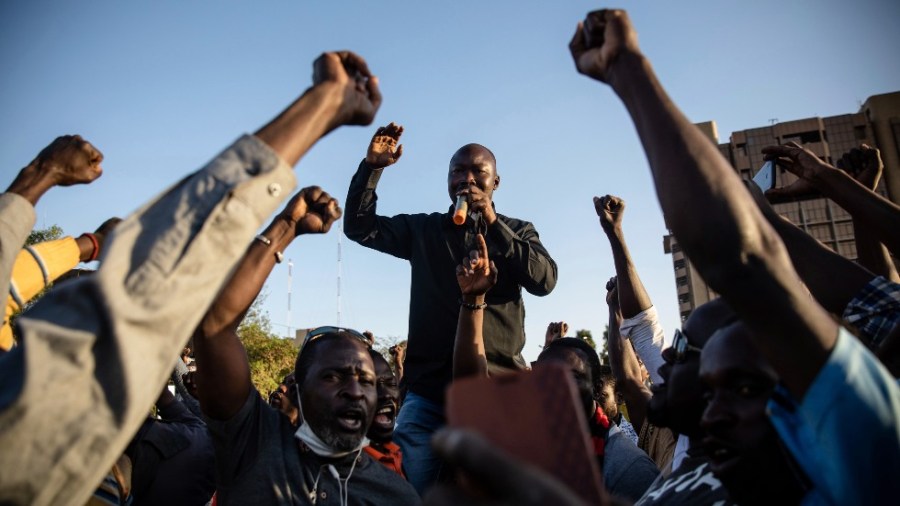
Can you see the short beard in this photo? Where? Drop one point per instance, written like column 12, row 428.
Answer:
column 337, row 441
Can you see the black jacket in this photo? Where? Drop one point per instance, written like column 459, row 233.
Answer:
column 434, row 246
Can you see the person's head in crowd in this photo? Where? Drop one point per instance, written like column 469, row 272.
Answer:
column 609, row 397
column 473, row 165
column 382, row 429
column 746, row 453
column 280, row 398
column 335, row 388
column 678, row 402
column 584, row 363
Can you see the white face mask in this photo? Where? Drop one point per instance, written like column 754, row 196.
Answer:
column 315, row 443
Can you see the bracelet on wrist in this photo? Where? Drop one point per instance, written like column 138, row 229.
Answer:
column 473, row 307
column 279, row 256
column 91, row 237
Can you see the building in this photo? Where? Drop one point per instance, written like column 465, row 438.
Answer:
column 876, row 124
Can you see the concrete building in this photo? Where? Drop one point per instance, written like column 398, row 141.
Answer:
column 876, row 124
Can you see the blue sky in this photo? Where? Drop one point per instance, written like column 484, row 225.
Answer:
column 161, row 86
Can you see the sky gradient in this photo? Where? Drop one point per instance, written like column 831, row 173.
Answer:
column 162, row 86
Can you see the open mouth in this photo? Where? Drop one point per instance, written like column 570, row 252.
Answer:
column 386, row 415
column 723, row 457
column 351, row 420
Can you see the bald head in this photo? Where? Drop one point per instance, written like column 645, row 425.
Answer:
column 472, row 152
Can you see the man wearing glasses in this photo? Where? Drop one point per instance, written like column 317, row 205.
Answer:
column 261, row 457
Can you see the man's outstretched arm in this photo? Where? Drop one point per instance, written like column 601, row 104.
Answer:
column 702, row 198
column 222, row 367
column 624, row 363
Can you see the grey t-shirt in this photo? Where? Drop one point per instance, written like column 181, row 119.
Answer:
column 627, row 471
column 258, row 461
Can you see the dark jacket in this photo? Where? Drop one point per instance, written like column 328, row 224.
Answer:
column 434, row 246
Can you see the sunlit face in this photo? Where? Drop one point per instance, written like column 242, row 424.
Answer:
column 472, row 165
column 339, row 393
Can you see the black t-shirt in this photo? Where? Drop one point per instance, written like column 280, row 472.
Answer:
column 692, row 483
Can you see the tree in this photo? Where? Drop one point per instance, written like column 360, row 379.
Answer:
column 604, row 353
column 50, row 233
column 383, row 346
column 271, row 358
column 585, row 335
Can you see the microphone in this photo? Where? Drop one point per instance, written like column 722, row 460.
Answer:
column 461, row 210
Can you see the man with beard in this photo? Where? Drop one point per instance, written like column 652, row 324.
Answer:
column 381, row 447
column 261, row 457
column 742, row 445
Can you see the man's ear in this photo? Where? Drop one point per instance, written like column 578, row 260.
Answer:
column 496, row 181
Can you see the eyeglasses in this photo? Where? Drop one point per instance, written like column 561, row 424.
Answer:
column 321, row 331
column 681, row 346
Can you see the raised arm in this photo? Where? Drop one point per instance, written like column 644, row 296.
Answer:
column 633, row 297
column 624, row 363
column 881, row 215
column 222, row 368
column 702, row 197
column 361, row 223
column 67, row 161
column 476, row 277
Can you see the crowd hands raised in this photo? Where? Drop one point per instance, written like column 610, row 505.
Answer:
column 748, row 403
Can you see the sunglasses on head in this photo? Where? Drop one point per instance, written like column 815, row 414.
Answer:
column 328, row 329
column 681, row 346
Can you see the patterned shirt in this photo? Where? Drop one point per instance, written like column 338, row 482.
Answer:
column 875, row 309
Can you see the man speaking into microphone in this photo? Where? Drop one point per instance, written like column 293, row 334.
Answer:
column 434, row 244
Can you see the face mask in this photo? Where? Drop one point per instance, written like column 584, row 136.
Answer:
column 315, row 443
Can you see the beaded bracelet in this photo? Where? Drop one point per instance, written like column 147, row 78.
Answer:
column 473, row 307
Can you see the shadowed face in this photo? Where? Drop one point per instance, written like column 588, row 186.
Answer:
column 339, row 393
column 678, row 402
column 472, row 165
column 382, row 429
column 740, row 441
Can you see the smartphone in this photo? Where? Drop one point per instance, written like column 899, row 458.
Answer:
column 534, row 416
column 765, row 177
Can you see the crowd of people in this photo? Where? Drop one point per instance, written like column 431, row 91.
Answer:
column 782, row 390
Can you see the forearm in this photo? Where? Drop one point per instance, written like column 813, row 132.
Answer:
column 832, row 279
column 469, row 357
column 633, row 297
column 881, row 215
column 534, row 270
column 304, row 122
column 32, row 183
column 231, row 305
column 627, row 371
column 747, row 263
column 360, row 205
column 871, row 253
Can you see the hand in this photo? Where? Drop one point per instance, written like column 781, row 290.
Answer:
column 104, row 229
column 799, row 161
column 312, row 211
column 370, row 337
column 398, row 352
column 612, row 293
column 385, row 150
column 610, row 210
column 360, row 96
column 602, row 39
column 480, row 202
column 491, row 477
column 555, row 330
column 478, row 274
column 70, row 160
column 863, row 164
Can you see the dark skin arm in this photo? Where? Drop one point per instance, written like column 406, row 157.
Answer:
column 476, row 277
column 86, row 247
column 223, row 372
column 864, row 165
column 67, row 161
column 832, row 279
column 344, row 92
column 624, row 362
column 633, row 297
column 881, row 215
column 699, row 192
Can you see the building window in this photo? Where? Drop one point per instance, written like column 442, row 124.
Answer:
column 859, row 132
column 679, row 264
column 684, row 316
column 684, row 298
column 681, row 281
